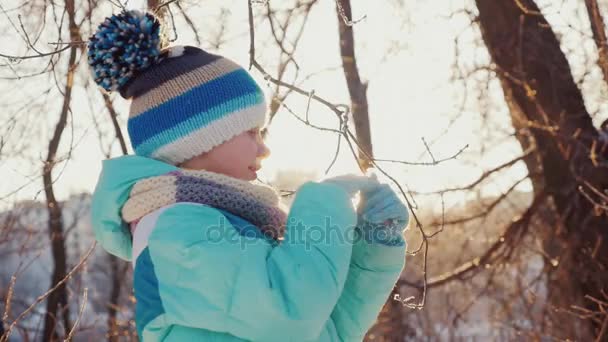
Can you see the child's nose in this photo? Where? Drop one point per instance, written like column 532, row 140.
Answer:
column 263, row 151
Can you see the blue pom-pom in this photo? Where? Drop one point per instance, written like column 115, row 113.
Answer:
column 123, row 46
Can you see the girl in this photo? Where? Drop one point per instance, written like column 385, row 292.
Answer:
column 215, row 256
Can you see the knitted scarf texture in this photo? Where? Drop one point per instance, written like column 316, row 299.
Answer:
column 258, row 204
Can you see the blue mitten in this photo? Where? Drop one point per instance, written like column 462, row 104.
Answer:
column 353, row 183
column 382, row 216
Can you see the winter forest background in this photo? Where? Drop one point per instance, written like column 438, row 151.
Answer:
column 489, row 118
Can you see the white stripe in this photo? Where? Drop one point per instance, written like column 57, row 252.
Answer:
column 214, row 134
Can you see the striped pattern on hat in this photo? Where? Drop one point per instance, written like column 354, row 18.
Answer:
column 189, row 103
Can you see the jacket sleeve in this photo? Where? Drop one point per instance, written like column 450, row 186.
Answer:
column 212, row 277
column 374, row 269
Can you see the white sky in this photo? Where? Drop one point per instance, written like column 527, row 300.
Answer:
column 410, row 98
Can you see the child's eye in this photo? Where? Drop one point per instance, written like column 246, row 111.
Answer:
column 256, row 132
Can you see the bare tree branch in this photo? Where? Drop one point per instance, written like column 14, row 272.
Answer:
column 598, row 27
column 42, row 297
column 508, row 240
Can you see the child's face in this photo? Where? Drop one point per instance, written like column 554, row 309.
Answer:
column 239, row 157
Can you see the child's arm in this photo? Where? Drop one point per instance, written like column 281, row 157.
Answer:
column 378, row 257
column 373, row 272
column 213, row 278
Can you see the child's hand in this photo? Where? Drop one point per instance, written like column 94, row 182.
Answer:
column 382, row 217
column 353, row 183
column 380, row 204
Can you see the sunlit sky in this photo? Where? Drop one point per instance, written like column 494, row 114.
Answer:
column 410, row 98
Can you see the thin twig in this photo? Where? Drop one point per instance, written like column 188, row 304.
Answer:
column 84, row 304
column 433, row 163
column 347, row 21
column 164, row 4
column 46, row 294
column 15, row 58
column 9, row 297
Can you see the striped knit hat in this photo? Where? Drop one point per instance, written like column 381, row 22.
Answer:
column 185, row 101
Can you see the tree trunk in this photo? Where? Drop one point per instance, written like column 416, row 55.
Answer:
column 390, row 325
column 117, row 273
column 118, row 267
column 57, row 301
column 154, row 6
column 356, row 88
column 524, row 136
column 544, row 100
column 59, row 296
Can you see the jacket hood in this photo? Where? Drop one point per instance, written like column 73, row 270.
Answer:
column 118, row 176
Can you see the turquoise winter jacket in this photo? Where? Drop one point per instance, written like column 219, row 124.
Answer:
column 192, row 287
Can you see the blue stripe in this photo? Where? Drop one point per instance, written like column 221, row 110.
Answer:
column 148, row 304
column 198, row 99
column 196, row 122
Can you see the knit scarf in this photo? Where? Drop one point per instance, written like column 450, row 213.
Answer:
column 258, row 204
